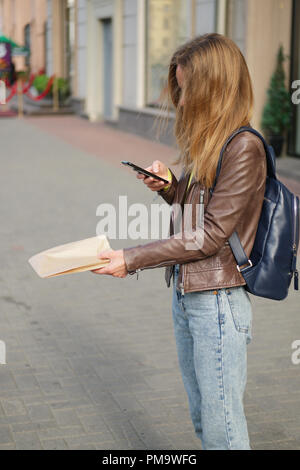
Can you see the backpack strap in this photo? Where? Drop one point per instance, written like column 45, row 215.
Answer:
column 234, row 241
column 239, row 253
column 271, row 159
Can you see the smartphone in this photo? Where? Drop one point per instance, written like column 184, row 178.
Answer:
column 144, row 172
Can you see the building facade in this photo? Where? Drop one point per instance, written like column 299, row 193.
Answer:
column 24, row 21
column 115, row 53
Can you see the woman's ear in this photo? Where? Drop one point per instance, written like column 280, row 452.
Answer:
column 181, row 101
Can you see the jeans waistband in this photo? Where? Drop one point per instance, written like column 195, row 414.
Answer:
column 210, row 291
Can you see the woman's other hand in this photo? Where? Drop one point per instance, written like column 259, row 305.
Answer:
column 160, row 169
column 116, row 267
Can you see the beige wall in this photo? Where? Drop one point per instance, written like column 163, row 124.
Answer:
column 15, row 15
column 268, row 25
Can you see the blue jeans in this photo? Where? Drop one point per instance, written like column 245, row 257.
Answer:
column 212, row 329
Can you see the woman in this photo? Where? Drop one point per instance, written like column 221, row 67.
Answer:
column 210, row 87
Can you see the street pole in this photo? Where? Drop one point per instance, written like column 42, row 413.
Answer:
column 20, row 98
column 55, row 95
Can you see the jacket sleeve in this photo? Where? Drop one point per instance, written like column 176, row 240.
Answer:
column 169, row 193
column 243, row 173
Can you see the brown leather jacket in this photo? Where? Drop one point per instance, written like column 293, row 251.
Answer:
column 235, row 205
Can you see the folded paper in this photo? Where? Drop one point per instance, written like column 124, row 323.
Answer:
column 71, row 257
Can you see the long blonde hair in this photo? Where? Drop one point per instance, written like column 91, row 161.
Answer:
column 218, row 99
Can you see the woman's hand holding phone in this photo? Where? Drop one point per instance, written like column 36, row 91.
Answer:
column 159, row 169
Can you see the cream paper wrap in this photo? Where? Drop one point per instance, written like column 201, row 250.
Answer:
column 74, row 257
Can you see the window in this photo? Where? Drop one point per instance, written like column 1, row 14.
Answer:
column 294, row 134
column 166, row 22
column 236, row 22
column 167, row 27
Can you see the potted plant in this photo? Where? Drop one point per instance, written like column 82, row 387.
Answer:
column 63, row 89
column 276, row 117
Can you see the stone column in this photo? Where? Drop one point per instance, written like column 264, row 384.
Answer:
column 59, row 37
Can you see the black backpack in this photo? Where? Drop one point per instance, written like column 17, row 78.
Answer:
column 272, row 264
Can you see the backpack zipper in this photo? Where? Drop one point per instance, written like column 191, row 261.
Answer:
column 296, row 283
column 295, row 223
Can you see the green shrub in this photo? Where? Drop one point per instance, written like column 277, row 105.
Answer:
column 276, row 117
column 40, row 83
column 63, row 88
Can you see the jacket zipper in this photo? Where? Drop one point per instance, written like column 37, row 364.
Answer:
column 296, row 284
column 157, row 265
column 202, row 192
column 182, row 282
column 148, row 267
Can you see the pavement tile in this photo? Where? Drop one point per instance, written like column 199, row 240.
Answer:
column 40, row 412
column 5, row 435
column 30, row 426
column 7, row 446
column 61, row 432
column 54, row 444
column 95, row 423
column 13, row 407
column 27, row 382
column 27, row 441
column 83, row 447
column 66, row 417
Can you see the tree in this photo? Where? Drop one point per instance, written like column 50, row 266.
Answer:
column 276, row 117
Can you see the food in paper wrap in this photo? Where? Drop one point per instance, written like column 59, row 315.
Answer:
column 70, row 258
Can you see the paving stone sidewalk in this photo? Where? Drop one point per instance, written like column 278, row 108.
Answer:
column 91, row 361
